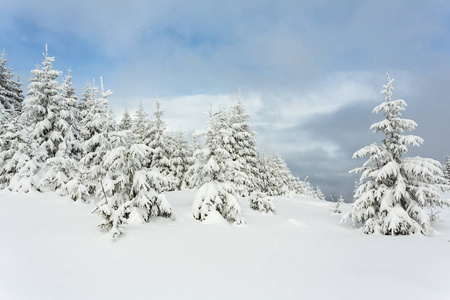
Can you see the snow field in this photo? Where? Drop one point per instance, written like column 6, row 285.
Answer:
column 51, row 249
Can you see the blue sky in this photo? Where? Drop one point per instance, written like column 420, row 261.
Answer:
column 310, row 71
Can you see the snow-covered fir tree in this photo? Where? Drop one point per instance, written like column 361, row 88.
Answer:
column 11, row 96
column 112, row 216
column 6, row 116
column 288, row 185
column 191, row 172
column 159, row 142
column 20, row 159
column 304, row 187
column 5, row 119
column 64, row 166
column 89, row 94
column 97, row 123
column 318, row 194
column 267, row 179
column 261, row 202
column 141, row 126
column 232, row 142
column 394, row 189
column 214, row 168
column 126, row 122
column 180, row 160
column 446, row 168
column 243, row 150
column 13, row 140
column 260, row 199
column 36, row 127
column 275, row 178
column 129, row 190
column 336, row 208
column 41, row 109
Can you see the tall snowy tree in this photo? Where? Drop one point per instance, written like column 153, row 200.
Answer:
column 267, row 180
column 97, row 123
column 394, row 189
column 159, row 142
column 304, row 188
column 5, row 118
column 20, row 158
column 64, row 167
column 14, row 150
column 71, row 116
column 213, row 171
column 288, row 181
column 181, row 158
column 89, row 94
column 125, row 122
column 446, row 168
column 11, row 96
column 41, row 109
column 274, row 177
column 243, row 150
column 141, row 126
column 38, row 137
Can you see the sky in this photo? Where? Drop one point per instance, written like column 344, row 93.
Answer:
column 310, row 72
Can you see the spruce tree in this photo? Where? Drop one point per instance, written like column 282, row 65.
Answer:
column 41, row 109
column 261, row 202
column 336, row 208
column 70, row 116
column 159, row 143
column 64, row 166
column 21, row 159
column 213, row 171
column 394, row 189
column 274, row 176
column 267, row 178
column 5, row 118
column 18, row 156
column 37, row 136
column 243, row 150
column 141, row 126
column 125, row 122
column 305, row 188
column 288, row 186
column 128, row 189
column 180, row 160
column 89, row 94
column 11, row 97
column 112, row 216
column 318, row 194
column 446, row 168
column 5, row 144
column 97, row 123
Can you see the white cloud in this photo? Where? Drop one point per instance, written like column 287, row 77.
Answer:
column 185, row 112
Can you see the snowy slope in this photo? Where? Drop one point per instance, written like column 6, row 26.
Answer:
column 50, row 248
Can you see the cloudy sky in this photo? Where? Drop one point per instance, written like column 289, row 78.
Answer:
column 310, row 72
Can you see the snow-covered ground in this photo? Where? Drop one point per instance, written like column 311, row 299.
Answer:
column 50, row 248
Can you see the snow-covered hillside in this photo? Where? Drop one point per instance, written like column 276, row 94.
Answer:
column 50, row 248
